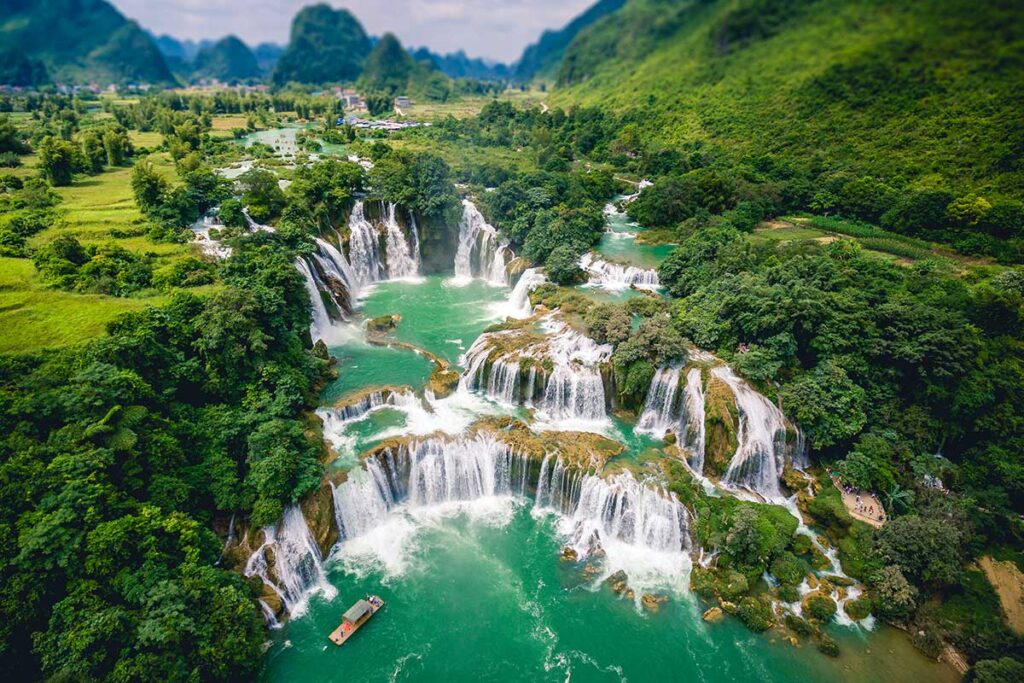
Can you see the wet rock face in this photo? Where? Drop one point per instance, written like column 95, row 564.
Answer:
column 443, row 382
column 383, row 324
column 569, row 554
column 714, row 614
column 721, row 425
column 652, row 602
column 618, row 582
column 318, row 509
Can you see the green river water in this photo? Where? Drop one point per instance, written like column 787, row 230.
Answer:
column 478, row 592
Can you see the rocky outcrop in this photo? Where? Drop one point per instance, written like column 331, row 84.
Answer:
column 318, row 509
column 721, row 424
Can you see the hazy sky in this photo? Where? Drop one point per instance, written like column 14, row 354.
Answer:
column 498, row 29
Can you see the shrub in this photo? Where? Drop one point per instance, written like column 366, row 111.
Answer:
column 820, row 606
column 562, row 266
column 756, row 613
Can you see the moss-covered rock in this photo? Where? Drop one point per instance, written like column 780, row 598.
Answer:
column 826, row 644
column 788, row 593
column 797, row 625
column 318, row 509
column 819, row 605
column 721, row 424
column 788, row 569
column 756, row 613
column 443, row 382
column 383, row 324
column 858, row 609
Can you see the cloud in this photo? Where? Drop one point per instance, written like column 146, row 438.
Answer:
column 498, row 29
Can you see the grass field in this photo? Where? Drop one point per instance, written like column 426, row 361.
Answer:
column 471, row 105
column 35, row 317
column 94, row 209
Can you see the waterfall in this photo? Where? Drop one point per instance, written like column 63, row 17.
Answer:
column 692, row 433
column 402, row 258
column 464, row 469
column 761, row 451
column 518, row 304
column 294, row 569
column 369, row 403
column 574, row 389
column 667, row 410
column 616, row 276
column 479, row 254
column 363, row 501
column 364, row 247
column 321, row 325
column 574, row 393
column 253, row 225
column 661, row 414
column 336, row 263
column 624, row 509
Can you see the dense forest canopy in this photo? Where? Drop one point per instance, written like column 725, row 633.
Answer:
column 844, row 224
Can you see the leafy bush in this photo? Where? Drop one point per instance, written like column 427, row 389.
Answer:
column 562, row 266
column 756, row 613
column 820, row 607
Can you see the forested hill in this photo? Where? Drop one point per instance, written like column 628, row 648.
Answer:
column 81, row 41
column 229, row 59
column 541, row 59
column 326, row 46
column 923, row 93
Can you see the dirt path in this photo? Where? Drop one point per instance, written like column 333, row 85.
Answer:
column 868, row 510
column 1008, row 581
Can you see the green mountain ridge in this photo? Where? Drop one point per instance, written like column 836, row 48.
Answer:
column 82, row 41
column 913, row 92
column 229, row 59
column 326, row 46
column 541, row 59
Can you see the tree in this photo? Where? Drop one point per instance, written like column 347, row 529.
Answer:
column 927, row 549
column 117, row 146
column 378, row 103
column 826, row 404
column 92, row 151
column 1002, row 670
column 562, row 266
column 57, row 160
column 261, row 194
column 894, row 597
column 148, row 186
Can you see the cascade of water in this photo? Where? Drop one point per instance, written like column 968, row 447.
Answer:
column 518, row 305
column 692, row 432
column 615, row 276
column 414, row 229
column 479, row 254
column 336, row 263
column 268, row 615
column 321, row 318
column 401, row 261
column 558, row 487
column 574, row 388
column 464, row 469
column 253, row 225
column 364, row 247
column 762, row 448
column 297, row 569
column 661, row 413
column 504, row 381
column 369, row 403
column 622, row 508
column 363, row 500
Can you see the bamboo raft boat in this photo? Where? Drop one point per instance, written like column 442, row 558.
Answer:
column 354, row 618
